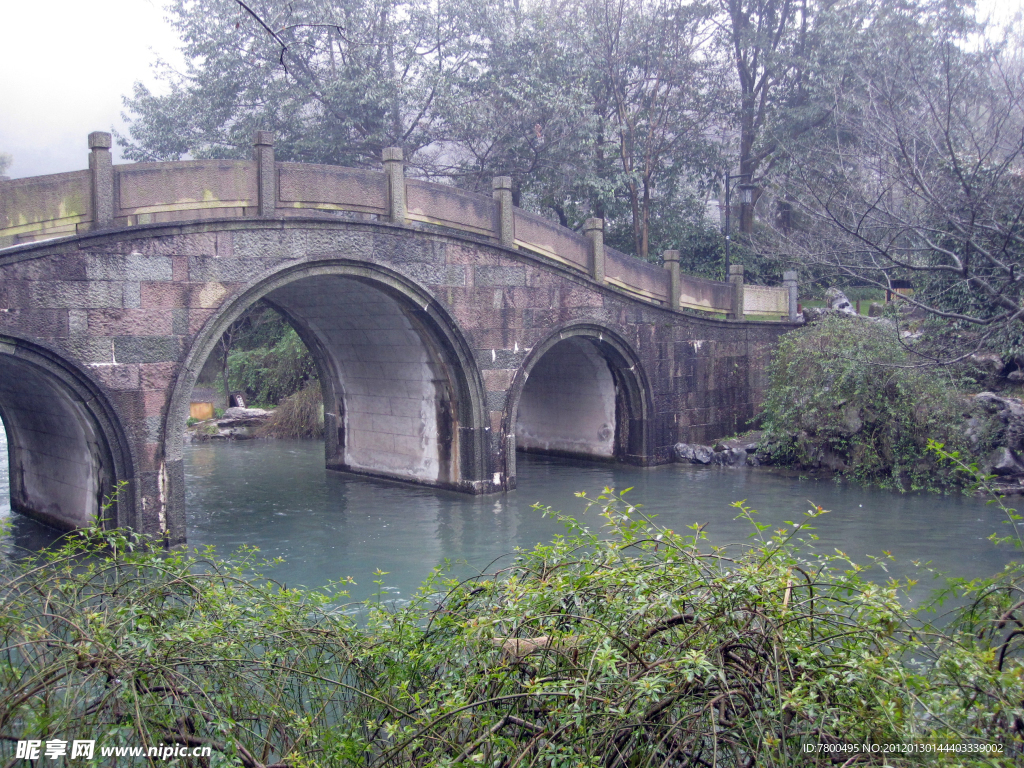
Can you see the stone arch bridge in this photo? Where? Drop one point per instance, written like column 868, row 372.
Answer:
column 448, row 328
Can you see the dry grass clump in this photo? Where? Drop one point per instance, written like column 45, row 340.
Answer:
column 298, row 416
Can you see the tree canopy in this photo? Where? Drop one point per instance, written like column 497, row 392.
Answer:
column 882, row 139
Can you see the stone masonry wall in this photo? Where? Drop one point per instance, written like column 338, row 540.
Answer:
column 127, row 306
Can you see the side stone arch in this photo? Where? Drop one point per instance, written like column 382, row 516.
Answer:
column 398, row 377
column 67, row 449
column 603, row 381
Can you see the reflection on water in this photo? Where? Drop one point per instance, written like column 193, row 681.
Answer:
column 276, row 495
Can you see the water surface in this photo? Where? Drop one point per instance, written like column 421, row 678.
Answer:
column 327, row 525
column 277, row 496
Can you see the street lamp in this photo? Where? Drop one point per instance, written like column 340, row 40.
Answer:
column 746, row 203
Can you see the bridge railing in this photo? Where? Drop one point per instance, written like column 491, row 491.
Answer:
column 108, row 196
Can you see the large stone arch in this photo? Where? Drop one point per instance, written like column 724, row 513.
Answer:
column 67, row 449
column 590, row 398
column 402, row 392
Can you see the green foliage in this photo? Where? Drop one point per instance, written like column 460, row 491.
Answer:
column 638, row 646
column 843, row 393
column 269, row 374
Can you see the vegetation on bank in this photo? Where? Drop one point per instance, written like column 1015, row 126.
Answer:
column 635, row 646
column 266, row 359
column 297, row 416
column 849, row 394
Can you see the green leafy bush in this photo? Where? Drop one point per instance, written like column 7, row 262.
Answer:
column 268, row 374
column 636, row 647
column 845, row 394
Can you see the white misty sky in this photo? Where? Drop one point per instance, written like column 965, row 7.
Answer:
column 65, row 64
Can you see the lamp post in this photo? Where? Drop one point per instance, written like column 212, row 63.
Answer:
column 746, row 200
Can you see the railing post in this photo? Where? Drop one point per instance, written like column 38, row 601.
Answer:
column 672, row 265
column 593, row 230
column 503, row 197
column 101, row 169
column 736, row 278
column 394, row 169
column 789, row 282
column 266, row 174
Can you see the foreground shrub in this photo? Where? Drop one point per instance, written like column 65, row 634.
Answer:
column 844, row 394
column 641, row 647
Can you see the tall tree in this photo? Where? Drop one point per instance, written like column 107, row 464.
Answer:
column 921, row 176
column 663, row 91
column 337, row 80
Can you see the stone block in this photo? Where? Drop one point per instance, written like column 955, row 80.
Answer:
column 202, row 269
column 153, row 401
column 134, row 266
column 393, row 249
column 68, row 267
column 118, row 377
column 78, row 320
column 499, row 276
column 343, row 244
column 164, row 295
column 207, row 295
column 197, row 319
column 35, row 322
column 499, row 358
column 496, row 401
column 132, row 349
column 130, row 322
column 149, row 456
column 435, row 274
column 179, row 321
column 498, row 380
column 270, row 244
column 89, row 349
column 132, row 295
column 157, row 375
column 68, row 295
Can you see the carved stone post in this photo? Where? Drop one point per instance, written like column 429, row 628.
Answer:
column 593, row 230
column 672, row 265
column 266, row 174
column 101, row 169
column 736, row 278
column 503, row 197
column 789, row 282
column 394, row 169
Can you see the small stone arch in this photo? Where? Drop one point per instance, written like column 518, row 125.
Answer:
column 447, row 446
column 626, row 396
column 66, row 446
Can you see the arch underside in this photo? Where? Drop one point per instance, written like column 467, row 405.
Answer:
column 62, row 464
column 568, row 405
column 391, row 406
column 582, row 398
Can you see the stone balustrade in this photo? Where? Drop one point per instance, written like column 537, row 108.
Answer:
column 110, row 196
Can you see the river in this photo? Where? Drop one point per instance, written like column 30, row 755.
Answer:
column 277, row 496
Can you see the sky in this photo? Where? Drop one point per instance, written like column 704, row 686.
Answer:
column 66, row 64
